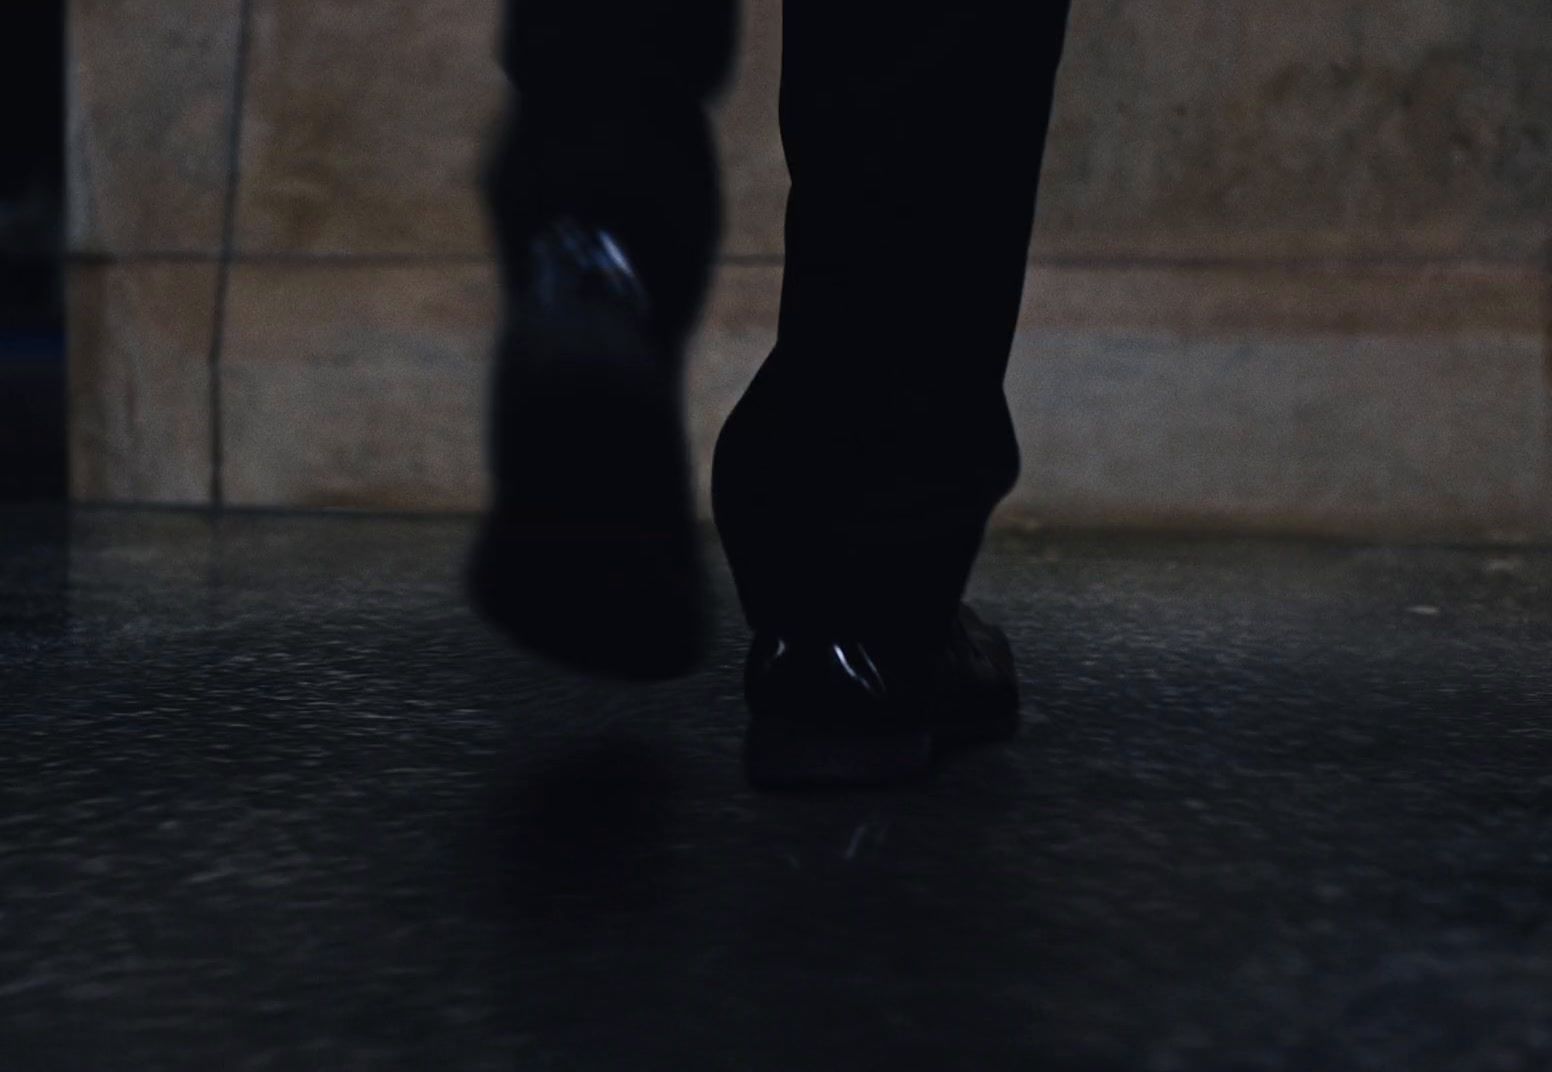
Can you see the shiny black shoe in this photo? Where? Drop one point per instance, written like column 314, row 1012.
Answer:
column 589, row 553
column 844, row 713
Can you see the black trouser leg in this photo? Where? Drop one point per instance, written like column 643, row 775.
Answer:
column 589, row 552
column 611, row 128
column 854, row 479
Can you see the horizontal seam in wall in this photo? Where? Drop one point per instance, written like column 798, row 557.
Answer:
column 760, row 260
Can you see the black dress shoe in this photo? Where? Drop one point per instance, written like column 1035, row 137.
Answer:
column 846, row 713
column 589, row 553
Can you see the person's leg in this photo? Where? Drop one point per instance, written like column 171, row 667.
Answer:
column 853, row 481
column 610, row 126
column 603, row 192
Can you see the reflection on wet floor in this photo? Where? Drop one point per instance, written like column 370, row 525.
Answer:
column 271, row 798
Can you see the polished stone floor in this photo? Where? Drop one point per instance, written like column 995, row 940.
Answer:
column 271, row 799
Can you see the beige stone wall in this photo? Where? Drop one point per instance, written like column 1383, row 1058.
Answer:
column 1292, row 271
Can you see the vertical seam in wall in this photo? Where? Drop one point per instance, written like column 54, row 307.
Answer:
column 1544, row 515
column 228, row 241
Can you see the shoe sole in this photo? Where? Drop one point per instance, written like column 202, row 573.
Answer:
column 594, row 560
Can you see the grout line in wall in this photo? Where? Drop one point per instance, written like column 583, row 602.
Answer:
column 1546, row 367
column 228, row 243
column 1295, row 263
column 98, row 259
column 232, row 257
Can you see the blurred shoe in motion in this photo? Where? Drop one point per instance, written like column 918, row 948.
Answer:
column 589, row 552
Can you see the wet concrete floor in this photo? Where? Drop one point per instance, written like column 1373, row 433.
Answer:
column 271, row 798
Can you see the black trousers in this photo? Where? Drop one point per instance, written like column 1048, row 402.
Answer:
column 853, row 482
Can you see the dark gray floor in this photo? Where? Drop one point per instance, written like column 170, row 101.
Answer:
column 271, row 799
